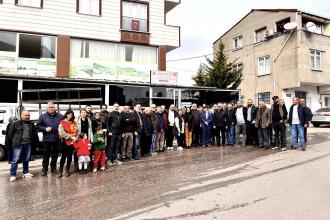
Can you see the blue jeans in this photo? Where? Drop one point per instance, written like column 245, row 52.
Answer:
column 206, row 136
column 136, row 147
column 297, row 130
column 231, row 134
column 153, row 142
column 23, row 151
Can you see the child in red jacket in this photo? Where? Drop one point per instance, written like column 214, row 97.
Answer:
column 83, row 147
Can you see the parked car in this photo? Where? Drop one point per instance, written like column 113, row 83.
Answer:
column 321, row 116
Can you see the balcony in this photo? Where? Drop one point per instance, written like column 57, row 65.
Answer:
column 170, row 4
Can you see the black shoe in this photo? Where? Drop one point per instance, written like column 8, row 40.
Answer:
column 303, row 149
column 85, row 171
column 43, row 173
column 54, row 170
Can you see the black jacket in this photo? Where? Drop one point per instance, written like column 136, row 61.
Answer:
column 128, row 123
column 301, row 114
column 147, row 128
column 196, row 117
column 220, row 118
column 15, row 133
column 231, row 117
column 254, row 111
column 114, row 122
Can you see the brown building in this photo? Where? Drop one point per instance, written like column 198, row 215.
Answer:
column 278, row 59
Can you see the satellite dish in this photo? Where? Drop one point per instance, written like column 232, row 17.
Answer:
column 311, row 26
column 290, row 25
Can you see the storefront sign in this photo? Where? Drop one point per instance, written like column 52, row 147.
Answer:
column 36, row 67
column 123, row 71
column 164, row 78
column 8, row 62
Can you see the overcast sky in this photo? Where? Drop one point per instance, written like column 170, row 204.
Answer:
column 203, row 21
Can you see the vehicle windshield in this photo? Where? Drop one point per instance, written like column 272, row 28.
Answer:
column 323, row 110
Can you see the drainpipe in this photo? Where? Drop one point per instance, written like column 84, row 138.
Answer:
column 274, row 60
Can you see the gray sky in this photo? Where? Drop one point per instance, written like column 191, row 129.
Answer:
column 203, row 21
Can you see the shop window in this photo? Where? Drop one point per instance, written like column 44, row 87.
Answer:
column 7, row 41
column 36, row 47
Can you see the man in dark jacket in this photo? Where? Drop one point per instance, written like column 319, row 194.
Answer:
column 136, row 152
column 309, row 116
column 147, row 131
column 251, row 130
column 114, row 132
column 279, row 117
column 154, row 120
column 22, row 135
column 231, row 122
column 220, row 121
column 129, row 129
column 48, row 125
column 297, row 120
column 196, row 130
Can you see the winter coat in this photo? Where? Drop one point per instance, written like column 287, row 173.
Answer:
column 46, row 120
column 82, row 146
column 15, row 133
column 114, row 122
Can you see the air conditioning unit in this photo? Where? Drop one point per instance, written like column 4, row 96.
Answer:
column 269, row 33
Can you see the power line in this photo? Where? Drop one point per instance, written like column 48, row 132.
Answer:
column 205, row 55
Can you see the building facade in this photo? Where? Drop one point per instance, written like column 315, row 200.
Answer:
column 73, row 43
column 278, row 59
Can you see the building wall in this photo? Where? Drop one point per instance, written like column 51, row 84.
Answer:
column 59, row 17
column 285, row 66
column 292, row 68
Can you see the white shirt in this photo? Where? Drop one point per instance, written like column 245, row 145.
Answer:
column 295, row 116
column 249, row 113
column 171, row 118
column 240, row 116
column 206, row 115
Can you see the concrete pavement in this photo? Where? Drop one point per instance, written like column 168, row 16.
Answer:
column 210, row 183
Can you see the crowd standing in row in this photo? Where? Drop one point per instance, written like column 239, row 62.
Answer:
column 103, row 138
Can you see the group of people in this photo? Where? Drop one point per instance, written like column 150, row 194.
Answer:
column 97, row 139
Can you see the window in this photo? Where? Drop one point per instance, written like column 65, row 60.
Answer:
column 137, row 54
column 91, row 7
column 135, row 16
column 237, row 43
column 7, row 41
column 113, row 52
column 30, row 3
column 238, row 66
column 300, row 94
column 263, row 66
column 264, row 96
column 280, row 25
column 316, row 60
column 93, row 50
column 317, row 27
column 326, row 101
column 260, row 34
column 36, row 47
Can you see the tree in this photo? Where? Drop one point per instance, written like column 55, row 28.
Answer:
column 218, row 72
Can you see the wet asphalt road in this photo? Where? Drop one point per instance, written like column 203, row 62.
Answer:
column 123, row 189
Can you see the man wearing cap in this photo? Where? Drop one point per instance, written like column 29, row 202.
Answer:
column 279, row 116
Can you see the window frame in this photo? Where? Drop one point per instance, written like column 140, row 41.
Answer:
column 238, row 66
column 314, row 57
column 17, row 4
column 37, row 35
column 97, row 15
column 255, row 34
column 240, row 39
column 263, row 93
column 122, row 14
column 264, row 67
column 278, row 24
